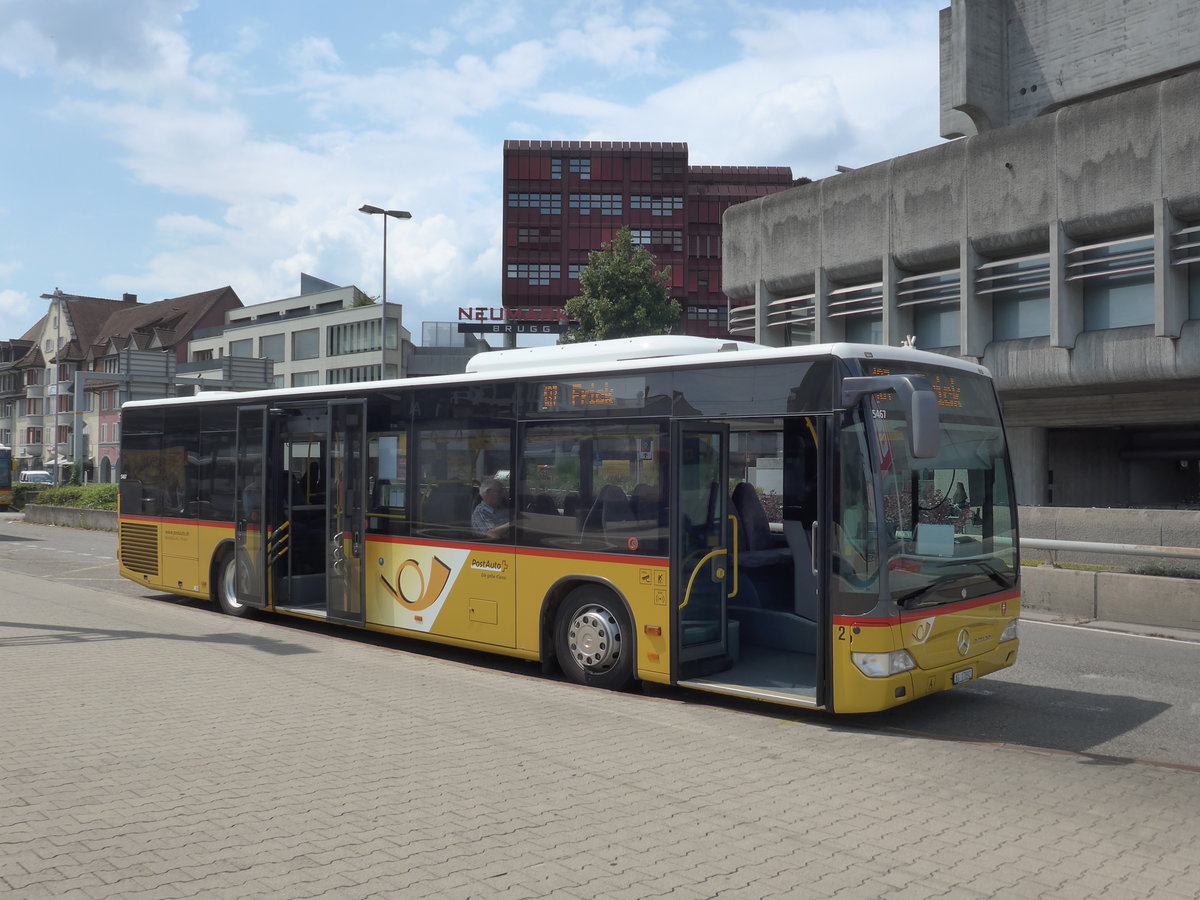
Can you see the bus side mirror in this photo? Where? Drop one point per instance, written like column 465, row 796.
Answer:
column 920, row 407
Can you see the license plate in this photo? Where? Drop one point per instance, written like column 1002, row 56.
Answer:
column 964, row 675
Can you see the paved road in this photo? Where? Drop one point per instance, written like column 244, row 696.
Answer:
column 148, row 750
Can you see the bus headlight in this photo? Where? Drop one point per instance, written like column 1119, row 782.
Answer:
column 881, row 665
column 1010, row 631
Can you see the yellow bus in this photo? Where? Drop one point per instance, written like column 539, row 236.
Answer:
column 831, row 527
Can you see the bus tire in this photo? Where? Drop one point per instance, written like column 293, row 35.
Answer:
column 593, row 639
column 225, row 587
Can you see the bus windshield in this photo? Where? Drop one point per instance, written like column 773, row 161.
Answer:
column 948, row 522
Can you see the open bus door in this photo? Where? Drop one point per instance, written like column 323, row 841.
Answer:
column 250, row 506
column 701, row 558
column 345, row 517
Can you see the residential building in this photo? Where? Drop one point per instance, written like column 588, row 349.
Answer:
column 332, row 335
column 63, row 382
column 564, row 199
column 1057, row 242
column 326, row 335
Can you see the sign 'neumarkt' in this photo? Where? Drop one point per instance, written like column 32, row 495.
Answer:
column 512, row 320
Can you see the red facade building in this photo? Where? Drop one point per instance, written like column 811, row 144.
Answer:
column 563, row 199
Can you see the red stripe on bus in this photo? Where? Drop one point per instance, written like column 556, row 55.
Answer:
column 205, row 522
column 918, row 615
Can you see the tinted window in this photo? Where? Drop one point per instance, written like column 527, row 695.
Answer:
column 753, row 390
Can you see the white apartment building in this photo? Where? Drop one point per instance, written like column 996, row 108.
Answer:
column 319, row 337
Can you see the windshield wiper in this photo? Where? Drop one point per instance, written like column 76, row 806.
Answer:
column 910, row 600
column 993, row 571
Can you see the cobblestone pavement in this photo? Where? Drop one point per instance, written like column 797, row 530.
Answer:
column 148, row 749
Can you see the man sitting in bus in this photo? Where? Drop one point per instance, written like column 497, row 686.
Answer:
column 490, row 518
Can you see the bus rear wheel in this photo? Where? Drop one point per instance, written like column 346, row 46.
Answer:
column 593, row 639
column 225, row 587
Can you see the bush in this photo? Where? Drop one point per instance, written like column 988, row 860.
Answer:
column 89, row 496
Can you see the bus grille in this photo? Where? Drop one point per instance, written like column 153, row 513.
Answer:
column 139, row 547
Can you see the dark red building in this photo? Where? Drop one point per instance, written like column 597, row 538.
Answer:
column 563, row 199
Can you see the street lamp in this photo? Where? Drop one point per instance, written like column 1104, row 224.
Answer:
column 395, row 214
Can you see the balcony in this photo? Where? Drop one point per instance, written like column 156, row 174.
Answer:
column 35, row 391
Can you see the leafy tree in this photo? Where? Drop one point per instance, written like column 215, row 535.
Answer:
column 361, row 299
column 623, row 294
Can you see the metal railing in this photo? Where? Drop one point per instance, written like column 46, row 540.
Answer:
column 1054, row 547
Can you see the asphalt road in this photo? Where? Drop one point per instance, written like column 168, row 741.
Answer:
column 1106, row 694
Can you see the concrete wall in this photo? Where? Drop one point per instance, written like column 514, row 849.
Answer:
column 94, row 519
column 1168, row 603
column 1151, row 527
column 1006, row 61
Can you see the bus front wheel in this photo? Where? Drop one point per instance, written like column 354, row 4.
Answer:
column 226, row 587
column 593, row 639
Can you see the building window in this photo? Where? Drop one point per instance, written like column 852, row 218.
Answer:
column 306, row 345
column 243, row 348
column 63, row 434
column 538, row 235
column 865, row 329
column 710, row 316
column 658, row 238
column 658, row 206
column 669, row 169
column 937, row 325
column 104, row 432
column 605, row 204
column 537, row 274
column 555, row 169
column 1118, row 282
column 33, row 435
column 32, row 377
column 271, row 347
column 574, row 269
column 277, row 381
column 351, row 374
column 580, row 167
column 353, row 337
column 1020, row 292
column 546, row 204
column 305, row 379
column 202, row 355
column 33, row 406
column 66, row 402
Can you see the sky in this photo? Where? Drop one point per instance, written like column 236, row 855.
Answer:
column 168, row 147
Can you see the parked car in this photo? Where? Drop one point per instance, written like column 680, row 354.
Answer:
column 35, row 476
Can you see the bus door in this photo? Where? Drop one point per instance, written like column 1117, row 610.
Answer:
column 700, row 559
column 250, row 506
column 345, row 502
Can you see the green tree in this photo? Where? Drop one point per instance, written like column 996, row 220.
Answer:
column 623, row 294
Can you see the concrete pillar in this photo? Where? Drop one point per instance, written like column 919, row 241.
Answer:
column 974, row 311
column 1170, row 282
column 896, row 325
column 1031, row 463
column 768, row 337
column 1066, row 298
column 826, row 330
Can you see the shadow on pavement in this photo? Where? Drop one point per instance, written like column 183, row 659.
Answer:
column 40, row 635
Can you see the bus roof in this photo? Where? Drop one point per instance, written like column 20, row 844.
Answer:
column 598, row 358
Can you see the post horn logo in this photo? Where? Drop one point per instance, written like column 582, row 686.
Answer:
column 411, row 587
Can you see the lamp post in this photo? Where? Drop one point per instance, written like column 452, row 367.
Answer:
column 395, row 214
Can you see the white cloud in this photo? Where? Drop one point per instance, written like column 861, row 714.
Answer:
column 809, row 89
column 134, row 46
column 14, row 306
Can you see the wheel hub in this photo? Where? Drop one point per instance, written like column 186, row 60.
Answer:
column 594, row 639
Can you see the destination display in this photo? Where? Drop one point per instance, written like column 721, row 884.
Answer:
column 591, row 394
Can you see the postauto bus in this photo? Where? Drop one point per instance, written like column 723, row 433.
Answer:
column 830, row 527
